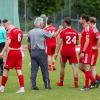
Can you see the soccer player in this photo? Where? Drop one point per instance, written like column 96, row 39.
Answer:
column 96, row 37
column 51, row 45
column 68, row 40
column 86, row 51
column 14, row 57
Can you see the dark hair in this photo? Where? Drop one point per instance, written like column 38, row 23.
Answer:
column 49, row 21
column 92, row 20
column 0, row 21
column 5, row 21
column 85, row 17
column 68, row 21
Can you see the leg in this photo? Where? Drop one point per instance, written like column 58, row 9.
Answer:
column 34, row 70
column 21, row 81
column 1, row 59
column 82, row 67
column 4, row 80
column 93, row 71
column 44, row 68
column 49, row 62
column 75, row 71
column 21, row 78
column 61, row 73
column 53, row 62
column 1, row 66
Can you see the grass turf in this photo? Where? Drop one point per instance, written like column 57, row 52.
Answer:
column 67, row 92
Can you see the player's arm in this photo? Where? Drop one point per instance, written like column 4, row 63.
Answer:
column 86, row 43
column 55, row 34
column 98, row 42
column 59, row 44
column 58, row 31
column 85, row 46
column 8, row 41
column 29, row 44
column 98, row 39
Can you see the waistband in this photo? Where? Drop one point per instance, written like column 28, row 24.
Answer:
column 15, row 48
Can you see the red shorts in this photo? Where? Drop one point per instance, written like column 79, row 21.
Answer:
column 14, row 60
column 72, row 59
column 94, row 57
column 51, row 50
column 86, row 59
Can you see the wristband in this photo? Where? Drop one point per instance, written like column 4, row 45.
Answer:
column 83, row 51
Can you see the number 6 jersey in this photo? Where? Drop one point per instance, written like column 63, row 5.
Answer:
column 16, row 36
column 69, row 37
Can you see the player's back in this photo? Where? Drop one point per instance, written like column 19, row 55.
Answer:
column 70, row 37
column 50, row 41
column 16, row 36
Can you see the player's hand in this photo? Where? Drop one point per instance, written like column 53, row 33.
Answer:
column 91, row 68
column 55, row 56
column 81, row 55
column 60, row 27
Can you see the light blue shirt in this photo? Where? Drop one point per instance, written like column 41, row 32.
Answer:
column 2, row 34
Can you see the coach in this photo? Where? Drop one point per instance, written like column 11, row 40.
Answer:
column 2, row 44
column 36, row 46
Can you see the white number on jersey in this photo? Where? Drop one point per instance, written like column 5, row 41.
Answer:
column 52, row 32
column 69, row 40
column 19, row 37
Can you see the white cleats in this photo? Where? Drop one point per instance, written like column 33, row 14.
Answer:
column 21, row 91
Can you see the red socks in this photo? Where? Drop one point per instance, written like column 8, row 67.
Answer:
column 87, row 77
column 4, row 80
column 21, row 80
column 61, row 78
column 76, row 82
column 20, row 77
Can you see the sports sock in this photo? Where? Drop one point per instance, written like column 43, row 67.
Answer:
column 4, row 80
column 61, row 78
column 87, row 75
column 21, row 80
column 76, row 82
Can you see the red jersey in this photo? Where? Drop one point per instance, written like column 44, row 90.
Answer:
column 50, row 41
column 86, row 32
column 16, row 36
column 69, row 36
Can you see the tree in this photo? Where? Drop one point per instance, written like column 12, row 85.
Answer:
column 39, row 7
column 90, row 7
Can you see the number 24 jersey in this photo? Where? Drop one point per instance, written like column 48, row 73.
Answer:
column 69, row 37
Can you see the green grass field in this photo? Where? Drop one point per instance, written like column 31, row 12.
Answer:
column 67, row 92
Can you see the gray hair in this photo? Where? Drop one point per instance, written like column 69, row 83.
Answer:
column 38, row 20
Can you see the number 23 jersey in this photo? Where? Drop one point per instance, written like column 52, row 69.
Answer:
column 16, row 36
column 69, row 37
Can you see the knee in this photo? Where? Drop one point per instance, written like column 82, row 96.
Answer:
column 5, row 72
column 80, row 67
column 19, row 72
